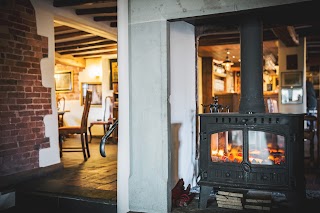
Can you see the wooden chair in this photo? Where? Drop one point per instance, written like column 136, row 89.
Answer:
column 105, row 123
column 309, row 134
column 81, row 129
column 61, row 102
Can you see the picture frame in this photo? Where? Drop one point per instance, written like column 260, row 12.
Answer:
column 96, row 88
column 291, row 79
column 113, row 72
column 63, row 81
column 292, row 95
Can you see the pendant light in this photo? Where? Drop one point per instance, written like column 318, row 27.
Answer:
column 227, row 63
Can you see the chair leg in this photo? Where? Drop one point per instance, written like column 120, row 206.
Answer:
column 87, row 144
column 83, row 147
column 60, row 144
column 90, row 132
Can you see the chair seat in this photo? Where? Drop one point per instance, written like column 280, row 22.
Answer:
column 100, row 123
column 106, row 125
column 70, row 130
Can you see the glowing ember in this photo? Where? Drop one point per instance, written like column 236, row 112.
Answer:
column 256, row 157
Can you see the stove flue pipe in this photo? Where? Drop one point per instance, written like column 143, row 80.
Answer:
column 251, row 43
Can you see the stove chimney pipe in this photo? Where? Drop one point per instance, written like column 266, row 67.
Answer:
column 251, row 44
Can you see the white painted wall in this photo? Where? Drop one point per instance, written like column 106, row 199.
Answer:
column 183, row 103
column 44, row 19
column 283, row 51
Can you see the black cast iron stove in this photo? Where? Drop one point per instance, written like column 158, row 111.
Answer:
column 252, row 149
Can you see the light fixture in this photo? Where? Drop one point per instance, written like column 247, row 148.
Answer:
column 227, row 63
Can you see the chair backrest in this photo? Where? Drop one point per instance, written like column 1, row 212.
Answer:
column 61, row 102
column 85, row 113
column 108, row 106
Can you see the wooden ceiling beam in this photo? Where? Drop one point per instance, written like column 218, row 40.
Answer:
column 100, row 54
column 113, row 24
column 66, row 3
column 99, row 10
column 287, row 35
column 81, row 41
column 105, row 18
column 213, row 42
column 60, row 29
column 72, row 35
column 109, row 48
column 84, row 46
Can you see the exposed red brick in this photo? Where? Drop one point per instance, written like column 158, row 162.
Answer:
column 24, row 101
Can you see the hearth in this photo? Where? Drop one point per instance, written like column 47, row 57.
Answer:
column 252, row 149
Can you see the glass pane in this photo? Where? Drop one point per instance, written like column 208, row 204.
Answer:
column 227, row 146
column 266, row 148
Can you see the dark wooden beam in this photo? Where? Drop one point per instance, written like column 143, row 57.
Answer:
column 72, row 35
column 63, row 29
column 66, row 3
column 95, row 54
column 99, row 10
column 79, row 42
column 84, row 46
column 105, row 18
column 89, row 50
column 113, row 24
column 213, row 42
column 287, row 35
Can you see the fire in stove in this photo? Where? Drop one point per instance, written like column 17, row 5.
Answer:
column 264, row 148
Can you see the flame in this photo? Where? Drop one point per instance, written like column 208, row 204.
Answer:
column 275, row 156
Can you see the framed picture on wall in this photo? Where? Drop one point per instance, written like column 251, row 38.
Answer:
column 113, row 72
column 291, row 95
column 63, row 81
column 291, row 79
column 96, row 88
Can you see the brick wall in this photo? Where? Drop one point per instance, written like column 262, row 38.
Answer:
column 75, row 93
column 23, row 100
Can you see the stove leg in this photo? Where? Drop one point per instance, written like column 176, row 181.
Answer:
column 204, row 195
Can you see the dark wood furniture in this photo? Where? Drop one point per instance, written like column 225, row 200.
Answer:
column 104, row 122
column 81, row 129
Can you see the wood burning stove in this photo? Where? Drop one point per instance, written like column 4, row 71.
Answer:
column 252, row 149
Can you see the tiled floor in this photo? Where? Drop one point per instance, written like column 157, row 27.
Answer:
column 96, row 178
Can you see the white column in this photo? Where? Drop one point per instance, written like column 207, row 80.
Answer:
column 124, row 105
column 149, row 117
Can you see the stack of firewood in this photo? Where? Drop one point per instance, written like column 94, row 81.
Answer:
column 258, row 200
column 230, row 199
